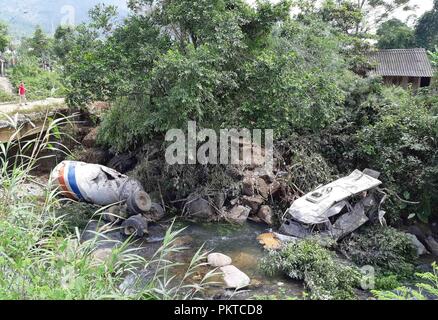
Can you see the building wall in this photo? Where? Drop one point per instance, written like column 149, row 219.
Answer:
column 405, row 82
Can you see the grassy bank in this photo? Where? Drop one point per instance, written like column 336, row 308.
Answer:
column 41, row 258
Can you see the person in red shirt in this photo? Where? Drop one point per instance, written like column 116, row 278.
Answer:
column 22, row 92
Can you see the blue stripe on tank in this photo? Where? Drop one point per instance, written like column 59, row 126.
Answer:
column 72, row 181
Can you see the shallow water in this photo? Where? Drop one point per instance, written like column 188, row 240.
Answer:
column 238, row 242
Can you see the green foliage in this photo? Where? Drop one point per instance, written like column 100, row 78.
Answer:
column 384, row 248
column 39, row 45
column 63, row 42
column 426, row 289
column 394, row 34
column 402, row 143
column 387, row 282
column 426, row 31
column 4, row 37
column 325, row 277
column 40, row 83
column 281, row 295
column 228, row 65
column 6, row 97
column 296, row 84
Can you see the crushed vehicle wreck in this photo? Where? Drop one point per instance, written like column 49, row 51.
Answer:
column 336, row 209
column 103, row 186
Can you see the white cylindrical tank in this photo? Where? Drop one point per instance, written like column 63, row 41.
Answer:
column 93, row 183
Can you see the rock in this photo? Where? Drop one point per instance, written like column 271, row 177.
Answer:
column 81, row 132
column 94, row 155
column 261, row 172
column 134, row 283
column 421, row 249
column 200, row 209
column 266, row 215
column 239, row 214
column 245, row 261
column 218, row 260
column 262, row 188
column 417, row 231
column 183, row 241
column 234, row 201
column 90, row 139
column 424, row 268
column 219, row 201
column 285, row 239
column 234, row 278
column 248, row 186
column 269, row 241
column 123, row 163
column 252, row 186
column 255, row 284
column 253, row 202
column 274, row 187
column 100, row 256
column 433, row 245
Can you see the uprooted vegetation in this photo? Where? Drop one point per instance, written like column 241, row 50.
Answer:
column 385, row 248
column 328, row 275
column 325, row 276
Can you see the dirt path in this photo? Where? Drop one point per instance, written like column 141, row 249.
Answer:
column 5, row 85
column 31, row 105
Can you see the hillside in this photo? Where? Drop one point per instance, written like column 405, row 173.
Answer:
column 23, row 16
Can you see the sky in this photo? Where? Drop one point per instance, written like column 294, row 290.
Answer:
column 423, row 6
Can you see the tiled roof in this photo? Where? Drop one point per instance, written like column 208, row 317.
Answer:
column 402, row 62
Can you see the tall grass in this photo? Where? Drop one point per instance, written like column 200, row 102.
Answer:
column 41, row 259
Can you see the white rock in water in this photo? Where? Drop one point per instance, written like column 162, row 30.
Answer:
column 218, row 260
column 234, row 278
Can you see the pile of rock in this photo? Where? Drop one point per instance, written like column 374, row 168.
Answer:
column 251, row 202
column 257, row 188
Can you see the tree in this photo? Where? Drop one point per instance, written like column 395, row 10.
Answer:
column 4, row 38
column 39, row 43
column 220, row 63
column 375, row 12
column 426, row 31
column 63, row 41
column 394, row 34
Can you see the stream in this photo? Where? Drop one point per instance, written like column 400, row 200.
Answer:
column 238, row 242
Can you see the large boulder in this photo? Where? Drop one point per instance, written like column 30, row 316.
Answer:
column 254, row 203
column 234, row 278
column 200, row 208
column 238, row 214
column 218, row 260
